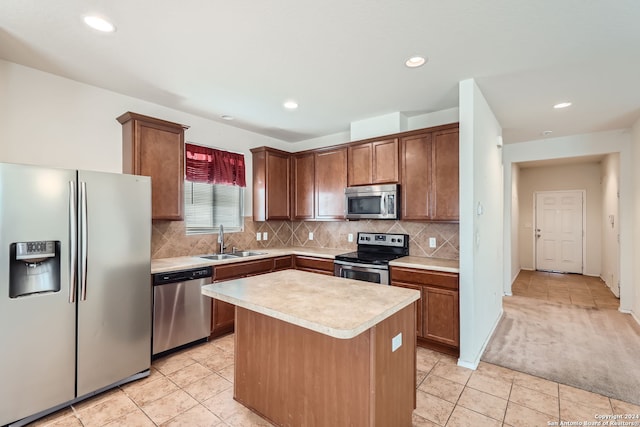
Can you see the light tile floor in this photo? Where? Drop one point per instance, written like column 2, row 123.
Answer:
column 195, row 386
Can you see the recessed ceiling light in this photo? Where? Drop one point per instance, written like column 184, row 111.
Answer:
column 100, row 24
column 547, row 132
column 226, row 117
column 415, row 61
column 290, row 105
column 562, row 105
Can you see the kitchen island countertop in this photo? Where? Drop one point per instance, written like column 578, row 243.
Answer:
column 337, row 307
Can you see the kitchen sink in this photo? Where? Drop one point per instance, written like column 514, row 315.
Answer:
column 218, row 257
column 246, row 253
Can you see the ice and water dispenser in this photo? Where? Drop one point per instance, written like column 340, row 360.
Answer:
column 34, row 267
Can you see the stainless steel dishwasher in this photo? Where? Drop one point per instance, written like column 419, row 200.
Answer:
column 181, row 314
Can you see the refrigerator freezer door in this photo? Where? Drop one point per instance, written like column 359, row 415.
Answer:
column 114, row 316
column 37, row 331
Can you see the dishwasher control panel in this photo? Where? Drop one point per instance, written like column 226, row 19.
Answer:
column 182, row 276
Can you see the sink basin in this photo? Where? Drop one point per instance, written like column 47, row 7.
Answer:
column 219, row 257
column 246, row 253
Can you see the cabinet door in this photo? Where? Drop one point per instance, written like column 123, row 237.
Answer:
column 445, row 201
column 419, row 308
column 441, row 320
column 303, row 186
column 278, row 175
column 222, row 317
column 385, row 161
column 416, row 176
column 155, row 148
column 359, row 160
column 331, row 180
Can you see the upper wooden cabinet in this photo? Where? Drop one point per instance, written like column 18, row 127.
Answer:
column 445, row 174
column 155, row 148
column 374, row 162
column 330, row 182
column 271, row 184
column 429, row 164
column 303, row 195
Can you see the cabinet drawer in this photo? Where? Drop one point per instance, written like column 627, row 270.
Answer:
column 425, row 277
column 241, row 269
column 317, row 265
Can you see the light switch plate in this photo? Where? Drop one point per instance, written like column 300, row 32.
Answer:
column 432, row 242
column 396, row 342
column 350, row 237
column 258, row 236
column 310, row 235
column 264, row 235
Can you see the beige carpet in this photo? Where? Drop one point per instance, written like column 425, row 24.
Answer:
column 589, row 348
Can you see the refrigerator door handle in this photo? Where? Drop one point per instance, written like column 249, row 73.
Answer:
column 83, row 241
column 73, row 243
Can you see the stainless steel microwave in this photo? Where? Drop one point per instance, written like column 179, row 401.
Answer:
column 372, row 202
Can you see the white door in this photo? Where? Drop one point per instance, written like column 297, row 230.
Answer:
column 559, row 231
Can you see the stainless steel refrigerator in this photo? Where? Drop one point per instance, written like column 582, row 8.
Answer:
column 75, row 294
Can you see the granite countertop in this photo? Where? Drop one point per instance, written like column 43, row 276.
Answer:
column 163, row 265
column 435, row 264
column 340, row 308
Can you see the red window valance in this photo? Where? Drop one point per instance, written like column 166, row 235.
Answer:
column 205, row 164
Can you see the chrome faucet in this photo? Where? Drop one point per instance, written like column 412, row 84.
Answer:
column 221, row 238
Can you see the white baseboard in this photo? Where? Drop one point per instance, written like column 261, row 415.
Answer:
column 637, row 319
column 632, row 313
column 474, row 364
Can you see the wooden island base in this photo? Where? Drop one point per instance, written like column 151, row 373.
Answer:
column 294, row 376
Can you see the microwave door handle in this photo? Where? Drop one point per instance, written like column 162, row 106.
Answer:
column 384, row 200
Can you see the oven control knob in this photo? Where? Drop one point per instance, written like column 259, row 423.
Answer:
column 393, row 240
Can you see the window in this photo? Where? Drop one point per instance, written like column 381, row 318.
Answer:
column 213, row 190
column 207, row 206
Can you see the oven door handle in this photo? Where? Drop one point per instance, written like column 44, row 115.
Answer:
column 358, row 265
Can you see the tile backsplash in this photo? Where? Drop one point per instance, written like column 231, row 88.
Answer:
column 169, row 238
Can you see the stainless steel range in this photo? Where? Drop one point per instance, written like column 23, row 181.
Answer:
column 370, row 262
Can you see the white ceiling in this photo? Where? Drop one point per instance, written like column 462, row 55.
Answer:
column 343, row 60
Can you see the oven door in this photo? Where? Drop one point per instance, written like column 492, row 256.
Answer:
column 364, row 272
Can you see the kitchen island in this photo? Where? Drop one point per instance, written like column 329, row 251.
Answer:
column 315, row 350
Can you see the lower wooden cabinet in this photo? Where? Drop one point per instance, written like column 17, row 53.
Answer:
column 223, row 316
column 438, row 320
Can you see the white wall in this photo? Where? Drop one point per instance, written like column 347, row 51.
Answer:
column 481, row 225
column 610, row 271
column 618, row 141
column 421, row 121
column 53, row 121
column 634, row 210
column 514, row 238
column 581, row 176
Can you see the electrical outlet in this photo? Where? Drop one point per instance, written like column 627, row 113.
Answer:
column 264, row 235
column 310, row 235
column 396, row 342
column 350, row 237
column 432, row 242
column 258, row 236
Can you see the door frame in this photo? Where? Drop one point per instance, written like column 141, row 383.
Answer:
column 584, row 225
